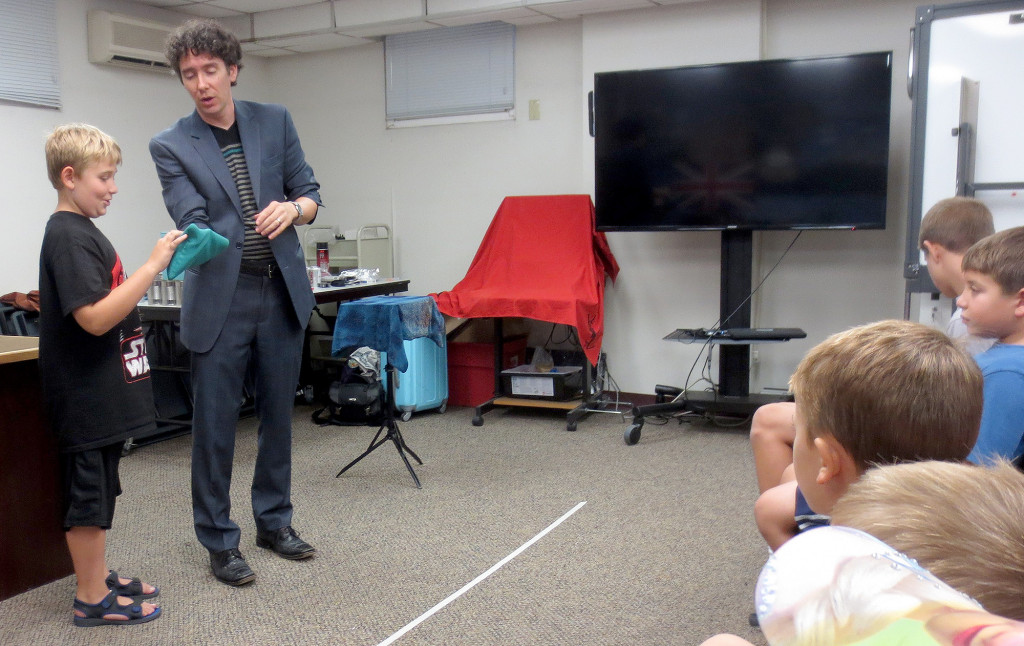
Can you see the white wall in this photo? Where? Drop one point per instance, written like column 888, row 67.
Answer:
column 443, row 183
column 130, row 105
column 439, row 186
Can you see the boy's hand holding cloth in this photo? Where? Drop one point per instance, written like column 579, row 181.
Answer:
column 201, row 245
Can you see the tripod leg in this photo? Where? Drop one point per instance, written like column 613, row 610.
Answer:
column 373, row 445
column 410, row 452
column 396, row 437
column 408, row 466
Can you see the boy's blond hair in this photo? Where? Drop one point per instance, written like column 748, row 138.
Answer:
column 965, row 523
column 890, row 392
column 1000, row 256
column 956, row 223
column 78, row 145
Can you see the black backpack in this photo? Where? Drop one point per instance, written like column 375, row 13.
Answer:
column 353, row 403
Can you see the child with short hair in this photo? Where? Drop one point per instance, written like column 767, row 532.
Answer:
column 962, row 522
column 92, row 357
column 993, row 306
column 948, row 229
column 882, row 393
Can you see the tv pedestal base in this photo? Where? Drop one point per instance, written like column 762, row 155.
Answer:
column 700, row 402
column 733, row 396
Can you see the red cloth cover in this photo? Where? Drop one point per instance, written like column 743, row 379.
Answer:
column 541, row 259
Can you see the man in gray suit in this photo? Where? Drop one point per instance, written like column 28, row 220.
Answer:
column 237, row 167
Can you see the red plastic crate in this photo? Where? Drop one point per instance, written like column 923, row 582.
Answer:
column 471, row 369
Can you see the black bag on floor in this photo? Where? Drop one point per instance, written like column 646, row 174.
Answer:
column 355, row 403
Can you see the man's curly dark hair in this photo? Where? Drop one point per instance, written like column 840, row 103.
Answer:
column 198, row 36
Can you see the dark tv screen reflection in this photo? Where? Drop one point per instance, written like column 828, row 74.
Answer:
column 777, row 144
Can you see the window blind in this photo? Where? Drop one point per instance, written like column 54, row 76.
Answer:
column 450, row 71
column 28, row 52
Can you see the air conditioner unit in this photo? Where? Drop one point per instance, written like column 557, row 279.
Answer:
column 115, row 39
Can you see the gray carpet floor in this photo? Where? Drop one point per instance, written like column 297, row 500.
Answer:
column 664, row 550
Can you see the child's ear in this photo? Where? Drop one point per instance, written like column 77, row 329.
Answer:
column 932, row 250
column 1018, row 309
column 833, row 458
column 67, row 177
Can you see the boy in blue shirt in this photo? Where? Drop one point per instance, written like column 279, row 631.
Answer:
column 993, row 306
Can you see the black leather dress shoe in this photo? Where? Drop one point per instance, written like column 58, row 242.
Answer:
column 286, row 543
column 230, row 567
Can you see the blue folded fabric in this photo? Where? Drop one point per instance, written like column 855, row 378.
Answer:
column 201, row 245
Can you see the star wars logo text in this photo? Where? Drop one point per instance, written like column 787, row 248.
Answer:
column 136, row 362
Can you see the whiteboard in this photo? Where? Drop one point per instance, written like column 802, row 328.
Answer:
column 983, row 42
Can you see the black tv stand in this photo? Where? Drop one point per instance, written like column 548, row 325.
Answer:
column 733, row 395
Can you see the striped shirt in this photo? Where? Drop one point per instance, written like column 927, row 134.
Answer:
column 255, row 248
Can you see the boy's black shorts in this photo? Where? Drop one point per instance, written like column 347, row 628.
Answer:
column 91, row 486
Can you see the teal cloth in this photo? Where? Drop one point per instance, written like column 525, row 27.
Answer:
column 201, row 245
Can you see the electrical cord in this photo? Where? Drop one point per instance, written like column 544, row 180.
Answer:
column 706, row 372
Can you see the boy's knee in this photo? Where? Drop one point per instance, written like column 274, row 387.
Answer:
column 774, row 514
column 772, row 422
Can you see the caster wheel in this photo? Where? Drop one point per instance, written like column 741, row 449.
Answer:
column 570, row 426
column 443, row 407
column 478, row 421
column 632, row 434
column 126, row 448
column 406, row 415
column 307, row 394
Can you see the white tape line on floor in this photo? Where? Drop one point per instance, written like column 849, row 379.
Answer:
column 494, row 568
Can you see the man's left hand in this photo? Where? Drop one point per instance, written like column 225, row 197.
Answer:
column 274, row 219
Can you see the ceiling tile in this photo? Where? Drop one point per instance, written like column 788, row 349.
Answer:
column 271, row 52
column 457, row 20
column 293, row 21
column 239, row 24
column 575, row 8
column 314, row 43
column 386, row 29
column 461, row 6
column 165, row 3
column 253, row 6
column 535, row 19
column 205, row 10
column 368, row 12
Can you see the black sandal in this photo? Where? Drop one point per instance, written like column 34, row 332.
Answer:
column 131, row 589
column 96, row 614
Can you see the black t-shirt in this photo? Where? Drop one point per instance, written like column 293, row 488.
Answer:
column 97, row 388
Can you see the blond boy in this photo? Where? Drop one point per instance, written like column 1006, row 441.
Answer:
column 92, row 358
column 992, row 303
column 962, row 522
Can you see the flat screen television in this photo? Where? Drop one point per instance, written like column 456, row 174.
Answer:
column 774, row 144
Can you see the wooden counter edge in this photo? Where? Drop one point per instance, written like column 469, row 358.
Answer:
column 18, row 348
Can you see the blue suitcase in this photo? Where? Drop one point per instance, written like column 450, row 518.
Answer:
column 424, row 385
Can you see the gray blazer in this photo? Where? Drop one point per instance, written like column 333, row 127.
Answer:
column 198, row 188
